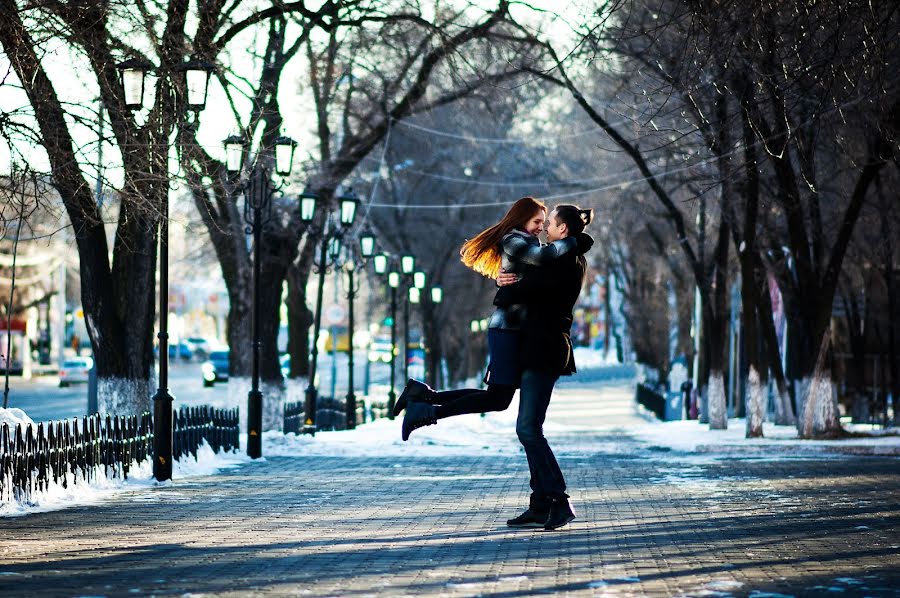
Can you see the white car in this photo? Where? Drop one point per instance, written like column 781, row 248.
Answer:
column 75, row 369
column 199, row 347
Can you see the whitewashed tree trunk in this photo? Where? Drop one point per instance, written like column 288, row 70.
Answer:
column 718, row 411
column 272, row 403
column 120, row 396
column 820, row 415
column 784, row 410
column 273, row 406
column 295, row 389
column 238, row 387
column 756, row 404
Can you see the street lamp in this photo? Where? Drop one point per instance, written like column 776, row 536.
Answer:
column 367, row 244
column 393, row 283
column 132, row 75
column 196, row 82
column 234, row 153
column 433, row 342
column 348, row 203
column 407, row 264
column 366, row 250
column 284, row 154
column 307, row 206
column 329, row 253
column 380, row 263
column 258, row 192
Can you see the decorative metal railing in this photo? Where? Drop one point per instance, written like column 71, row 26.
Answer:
column 32, row 457
column 330, row 414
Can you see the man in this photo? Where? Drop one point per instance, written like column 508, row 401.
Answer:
column 549, row 293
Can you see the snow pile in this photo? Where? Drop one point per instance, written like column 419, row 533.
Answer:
column 462, row 436
column 587, row 358
column 692, row 436
column 78, row 492
column 13, row 417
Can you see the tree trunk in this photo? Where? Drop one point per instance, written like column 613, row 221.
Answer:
column 820, row 414
column 756, row 370
column 784, row 409
column 300, row 319
column 607, row 310
column 118, row 301
column 717, row 333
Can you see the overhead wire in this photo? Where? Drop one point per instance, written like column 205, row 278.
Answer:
column 660, row 175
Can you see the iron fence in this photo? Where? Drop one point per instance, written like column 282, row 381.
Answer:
column 32, row 457
column 651, row 400
column 330, row 414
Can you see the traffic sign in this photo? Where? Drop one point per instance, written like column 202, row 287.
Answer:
column 334, row 315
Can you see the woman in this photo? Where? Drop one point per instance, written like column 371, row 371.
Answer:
column 511, row 245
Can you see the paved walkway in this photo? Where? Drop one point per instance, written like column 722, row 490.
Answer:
column 650, row 522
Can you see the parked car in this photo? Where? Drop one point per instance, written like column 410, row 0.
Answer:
column 199, row 346
column 216, row 368
column 181, row 350
column 75, row 369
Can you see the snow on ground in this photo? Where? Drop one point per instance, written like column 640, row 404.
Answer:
column 464, row 435
column 13, row 417
column 100, row 489
column 599, row 399
column 692, row 436
column 586, row 358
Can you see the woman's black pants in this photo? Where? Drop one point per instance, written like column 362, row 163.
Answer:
column 497, row 397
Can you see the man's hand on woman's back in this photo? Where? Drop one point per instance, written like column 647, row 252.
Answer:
column 506, row 279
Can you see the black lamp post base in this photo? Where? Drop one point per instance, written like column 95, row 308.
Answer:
column 162, row 435
column 392, row 400
column 350, row 411
column 254, row 424
column 309, row 410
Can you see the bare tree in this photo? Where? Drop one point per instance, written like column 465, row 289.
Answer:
column 117, row 286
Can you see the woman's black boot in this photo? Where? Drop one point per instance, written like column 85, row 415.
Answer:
column 418, row 415
column 415, row 392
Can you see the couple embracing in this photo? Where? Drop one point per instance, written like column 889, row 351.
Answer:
column 528, row 340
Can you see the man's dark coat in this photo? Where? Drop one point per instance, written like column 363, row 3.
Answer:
column 550, row 292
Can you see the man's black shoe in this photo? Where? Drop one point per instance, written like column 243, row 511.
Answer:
column 418, row 415
column 561, row 513
column 415, row 391
column 530, row 518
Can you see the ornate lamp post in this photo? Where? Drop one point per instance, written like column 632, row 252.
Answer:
column 258, row 191
column 407, row 267
column 132, row 74
column 393, row 283
column 418, row 282
column 329, row 250
column 437, row 296
column 366, row 251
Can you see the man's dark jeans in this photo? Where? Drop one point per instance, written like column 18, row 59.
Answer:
column 534, row 397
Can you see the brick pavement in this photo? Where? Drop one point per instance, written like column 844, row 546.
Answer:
column 650, row 523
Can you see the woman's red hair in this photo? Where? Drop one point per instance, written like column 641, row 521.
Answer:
column 482, row 253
